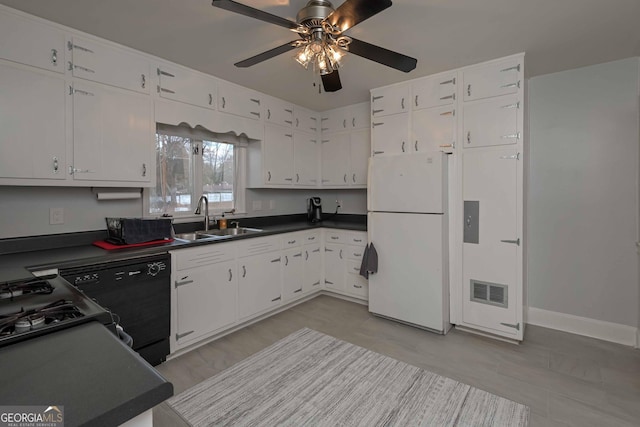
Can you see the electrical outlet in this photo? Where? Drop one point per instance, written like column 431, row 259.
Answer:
column 338, row 203
column 56, row 216
column 257, row 205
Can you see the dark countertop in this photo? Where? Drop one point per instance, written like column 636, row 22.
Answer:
column 85, row 368
column 14, row 266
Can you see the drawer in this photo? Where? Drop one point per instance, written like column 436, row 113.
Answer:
column 354, row 253
column 335, row 236
column 357, row 286
column 310, row 237
column 258, row 245
column 356, row 238
column 292, row 240
column 204, row 255
column 353, row 267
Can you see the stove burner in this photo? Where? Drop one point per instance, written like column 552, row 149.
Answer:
column 38, row 285
column 24, row 321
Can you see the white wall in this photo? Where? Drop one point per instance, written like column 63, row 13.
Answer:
column 583, row 192
column 24, row 211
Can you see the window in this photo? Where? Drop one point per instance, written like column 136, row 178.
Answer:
column 191, row 163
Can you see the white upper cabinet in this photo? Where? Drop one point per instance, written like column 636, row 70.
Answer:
column 32, row 130
column 390, row 135
column 345, row 119
column 495, row 79
column 101, row 63
column 305, row 120
column 113, row 135
column 278, row 155
column 360, row 149
column 333, row 121
column 31, row 43
column 277, row 111
column 335, row 160
column 390, row 100
column 190, row 87
column 306, row 156
column 492, row 122
column 433, row 129
column 434, row 91
column 239, row 100
column 359, row 116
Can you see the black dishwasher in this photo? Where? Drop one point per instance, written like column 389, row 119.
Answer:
column 138, row 291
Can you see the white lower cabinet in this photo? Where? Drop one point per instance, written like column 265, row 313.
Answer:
column 206, row 300
column 259, row 278
column 312, row 275
column 292, row 273
column 342, row 261
column 334, row 267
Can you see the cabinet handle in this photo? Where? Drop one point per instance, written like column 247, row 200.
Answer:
column 164, row 73
column 512, row 157
column 378, row 152
column 143, row 81
column 447, row 146
column 375, row 98
column 287, row 110
column 469, row 137
column 403, row 146
column 416, row 100
column 340, row 253
column 509, row 325
column 311, row 238
column 255, row 113
column 54, row 57
column 328, row 282
column 316, row 283
column 85, row 69
column 377, row 111
column 446, row 82
column 184, row 282
column 55, row 165
column 230, row 275
column 180, row 336
column 277, row 259
column 516, row 106
column 402, row 102
column 353, row 122
column 80, row 92
column 334, row 237
column 166, row 90
column 72, row 46
column 144, row 169
column 415, row 145
column 345, row 177
column 73, row 170
column 268, row 175
column 210, row 99
column 515, row 242
column 515, row 67
column 288, row 135
column 357, row 286
column 257, row 101
column 469, row 90
column 244, row 271
column 286, row 260
column 328, row 250
column 324, row 118
column 289, row 122
column 452, row 96
column 354, row 178
column 297, row 177
column 516, row 84
column 344, row 123
column 276, row 299
column 291, row 242
column 298, row 255
column 306, row 255
column 297, row 122
column 289, row 179
column 297, row 290
column 511, row 136
column 374, row 124
column 357, row 240
column 356, row 254
column 316, row 250
column 224, row 102
column 449, row 113
column 268, row 113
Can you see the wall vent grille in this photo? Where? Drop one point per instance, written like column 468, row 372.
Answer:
column 489, row 293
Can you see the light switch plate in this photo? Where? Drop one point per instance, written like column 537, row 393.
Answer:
column 56, row 216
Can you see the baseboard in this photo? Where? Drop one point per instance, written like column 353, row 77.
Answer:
column 607, row 331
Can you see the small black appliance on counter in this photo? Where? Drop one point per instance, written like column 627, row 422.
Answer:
column 314, row 209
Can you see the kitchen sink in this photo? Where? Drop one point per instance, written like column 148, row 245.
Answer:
column 234, row 231
column 196, row 235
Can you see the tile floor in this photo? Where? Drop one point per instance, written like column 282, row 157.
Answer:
column 566, row 380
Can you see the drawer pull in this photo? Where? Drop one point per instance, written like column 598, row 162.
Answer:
column 276, row 299
column 453, row 96
column 291, row 242
column 357, row 286
column 316, row 283
column 328, row 282
column 374, row 124
column 511, row 136
column 164, row 73
column 334, row 237
column 358, row 255
column 375, row 98
column 255, row 113
column 85, row 69
column 516, row 105
column 378, row 152
column 72, row 46
column 166, row 90
column 512, row 157
column 357, row 240
column 184, row 282
column 277, row 259
column 514, row 68
column 449, row 113
column 257, row 101
column 180, row 336
column 318, row 250
column 516, row 84
column 377, row 111
column 447, row 82
column 311, row 238
column 298, row 255
column 297, row 290
column 514, row 242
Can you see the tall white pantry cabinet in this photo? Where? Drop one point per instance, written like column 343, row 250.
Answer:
column 476, row 115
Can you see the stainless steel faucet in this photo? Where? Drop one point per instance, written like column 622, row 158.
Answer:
column 206, row 210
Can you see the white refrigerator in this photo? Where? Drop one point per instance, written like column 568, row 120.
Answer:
column 407, row 224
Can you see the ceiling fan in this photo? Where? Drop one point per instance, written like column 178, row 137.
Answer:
column 322, row 43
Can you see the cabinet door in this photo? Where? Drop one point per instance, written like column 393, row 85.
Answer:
column 105, row 64
column 389, row 100
column 492, row 80
column 492, row 122
column 492, row 291
column 390, row 135
column 305, row 120
column 334, row 267
column 278, row 112
column 112, row 135
column 360, row 116
column 292, row 273
column 238, row 100
column 278, row 155
column 355, row 284
column 360, row 147
column 206, row 300
column 433, row 129
column 306, row 155
column 31, row 43
column 186, row 86
column 259, row 283
column 434, row 91
column 335, row 160
column 334, row 120
column 312, row 267
column 32, row 125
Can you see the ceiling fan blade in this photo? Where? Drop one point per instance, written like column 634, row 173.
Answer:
column 331, row 82
column 254, row 13
column 265, row 55
column 352, row 12
column 382, row 56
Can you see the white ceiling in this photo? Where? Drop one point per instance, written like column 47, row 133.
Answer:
column 442, row 34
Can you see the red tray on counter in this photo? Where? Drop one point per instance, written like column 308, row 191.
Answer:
column 110, row 246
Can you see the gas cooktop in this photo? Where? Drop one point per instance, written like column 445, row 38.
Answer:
column 39, row 305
